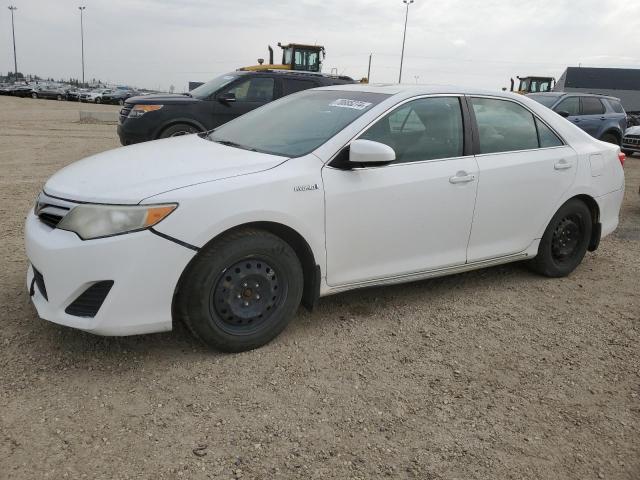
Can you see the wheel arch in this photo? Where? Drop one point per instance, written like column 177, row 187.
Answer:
column 615, row 132
column 176, row 121
column 594, row 208
column 310, row 268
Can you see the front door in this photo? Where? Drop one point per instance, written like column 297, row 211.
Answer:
column 411, row 215
column 241, row 97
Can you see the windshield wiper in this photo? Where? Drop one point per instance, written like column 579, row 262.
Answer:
column 229, row 143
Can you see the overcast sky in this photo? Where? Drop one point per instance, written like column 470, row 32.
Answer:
column 158, row 43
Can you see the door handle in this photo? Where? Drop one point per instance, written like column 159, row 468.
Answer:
column 462, row 177
column 562, row 165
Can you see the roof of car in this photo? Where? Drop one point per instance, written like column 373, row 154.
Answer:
column 293, row 73
column 574, row 94
column 412, row 90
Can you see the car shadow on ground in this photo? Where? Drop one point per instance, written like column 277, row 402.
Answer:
column 356, row 304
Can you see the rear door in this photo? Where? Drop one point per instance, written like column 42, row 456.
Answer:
column 524, row 170
column 248, row 94
column 592, row 116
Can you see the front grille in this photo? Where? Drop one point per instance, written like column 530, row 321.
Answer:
column 51, row 210
column 124, row 113
column 89, row 302
column 631, row 140
column 40, row 283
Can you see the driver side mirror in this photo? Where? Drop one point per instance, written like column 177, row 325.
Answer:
column 563, row 113
column 227, row 97
column 368, row 152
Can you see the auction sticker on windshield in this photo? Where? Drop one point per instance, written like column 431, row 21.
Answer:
column 346, row 103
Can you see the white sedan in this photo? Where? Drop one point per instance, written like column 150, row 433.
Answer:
column 320, row 192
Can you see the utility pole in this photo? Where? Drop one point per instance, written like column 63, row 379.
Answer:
column 13, row 31
column 404, row 37
column 82, row 39
column 369, row 69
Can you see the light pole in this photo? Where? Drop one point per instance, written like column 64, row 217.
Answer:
column 406, row 17
column 13, row 31
column 82, row 40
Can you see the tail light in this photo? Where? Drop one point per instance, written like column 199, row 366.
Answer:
column 622, row 157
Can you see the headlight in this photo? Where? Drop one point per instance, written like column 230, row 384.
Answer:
column 139, row 110
column 95, row 221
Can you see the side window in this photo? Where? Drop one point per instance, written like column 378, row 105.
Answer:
column 571, row 105
column 616, row 106
column 258, row 89
column 592, row 106
column 546, row 137
column 425, row 129
column 504, row 126
column 293, row 85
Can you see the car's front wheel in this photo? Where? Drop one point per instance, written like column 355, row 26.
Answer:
column 34, row 95
column 121, row 102
column 565, row 241
column 241, row 290
column 178, row 130
column 98, row 100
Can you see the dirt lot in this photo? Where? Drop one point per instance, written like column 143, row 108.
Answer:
column 495, row 374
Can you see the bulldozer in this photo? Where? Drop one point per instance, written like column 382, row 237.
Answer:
column 533, row 84
column 295, row 56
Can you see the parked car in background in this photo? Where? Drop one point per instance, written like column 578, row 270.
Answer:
column 22, row 90
column 320, row 192
column 94, row 96
column 49, row 91
column 631, row 140
column 213, row 103
column 600, row 116
column 118, row 96
column 73, row 94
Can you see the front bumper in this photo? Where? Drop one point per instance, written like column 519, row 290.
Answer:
column 144, row 268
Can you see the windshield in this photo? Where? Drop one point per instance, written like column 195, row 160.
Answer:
column 297, row 124
column 546, row 100
column 205, row 90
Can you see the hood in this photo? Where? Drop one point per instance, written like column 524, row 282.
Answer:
column 127, row 175
column 633, row 130
column 164, row 99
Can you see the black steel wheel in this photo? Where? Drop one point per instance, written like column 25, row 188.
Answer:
column 565, row 240
column 241, row 290
column 246, row 295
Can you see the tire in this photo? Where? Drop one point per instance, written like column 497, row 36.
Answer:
column 121, row 102
column 240, row 291
column 628, row 153
column 59, row 98
column 177, row 130
column 98, row 100
column 610, row 138
column 34, row 95
column 565, row 241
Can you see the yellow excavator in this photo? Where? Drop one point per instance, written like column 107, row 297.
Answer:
column 295, row 56
column 533, row 84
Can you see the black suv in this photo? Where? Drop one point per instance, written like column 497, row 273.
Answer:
column 213, row 103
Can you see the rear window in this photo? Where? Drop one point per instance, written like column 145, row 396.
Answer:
column 592, row 106
column 616, row 106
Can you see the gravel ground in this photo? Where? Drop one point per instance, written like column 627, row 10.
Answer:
column 494, row 374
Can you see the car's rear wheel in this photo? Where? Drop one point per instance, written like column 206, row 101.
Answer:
column 565, row 241
column 241, row 291
column 59, row 97
column 178, row 130
column 121, row 101
column 98, row 100
column 34, row 95
column 610, row 138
